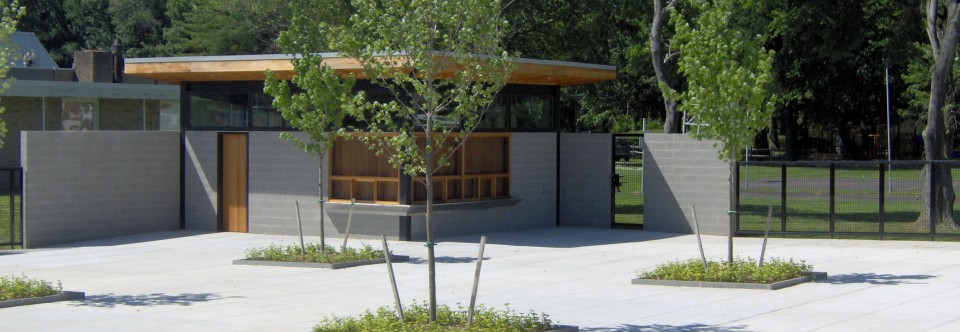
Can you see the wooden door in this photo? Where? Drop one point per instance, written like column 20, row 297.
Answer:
column 233, row 182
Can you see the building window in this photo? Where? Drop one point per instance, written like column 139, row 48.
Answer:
column 80, row 114
column 531, row 112
column 218, row 110
column 169, row 115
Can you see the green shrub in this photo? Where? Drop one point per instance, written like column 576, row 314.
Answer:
column 742, row 271
column 416, row 319
column 291, row 253
column 21, row 287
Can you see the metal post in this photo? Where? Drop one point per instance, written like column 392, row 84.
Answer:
column 881, row 218
column 889, row 140
column 303, row 249
column 353, row 202
column 696, row 228
column 13, row 228
column 833, row 198
column 476, row 281
column 766, row 235
column 393, row 280
column 783, row 199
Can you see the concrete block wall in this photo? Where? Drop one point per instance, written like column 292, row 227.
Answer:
column 586, row 166
column 200, row 180
column 279, row 174
column 679, row 171
column 533, row 181
column 82, row 186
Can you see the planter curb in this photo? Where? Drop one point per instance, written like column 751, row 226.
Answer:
column 732, row 285
column 63, row 296
column 333, row 266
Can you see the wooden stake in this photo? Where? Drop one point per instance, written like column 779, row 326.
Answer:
column 476, row 281
column 696, row 228
column 353, row 202
column 303, row 249
column 393, row 281
column 766, row 234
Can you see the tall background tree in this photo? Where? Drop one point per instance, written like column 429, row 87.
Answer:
column 663, row 63
column 943, row 32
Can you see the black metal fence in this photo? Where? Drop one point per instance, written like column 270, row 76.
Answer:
column 850, row 199
column 11, row 207
column 628, row 180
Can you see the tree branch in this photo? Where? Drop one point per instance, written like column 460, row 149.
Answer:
column 932, row 27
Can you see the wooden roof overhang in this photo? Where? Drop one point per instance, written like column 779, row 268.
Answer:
column 253, row 68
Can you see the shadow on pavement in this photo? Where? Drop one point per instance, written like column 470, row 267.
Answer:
column 877, row 279
column 668, row 328
column 111, row 300
column 446, row 260
column 566, row 237
column 130, row 239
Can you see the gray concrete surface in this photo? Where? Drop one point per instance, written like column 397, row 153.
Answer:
column 185, row 281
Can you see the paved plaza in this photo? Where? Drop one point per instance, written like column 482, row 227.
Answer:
column 185, row 281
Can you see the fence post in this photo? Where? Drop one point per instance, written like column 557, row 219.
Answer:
column 783, row 199
column 933, row 200
column 13, row 229
column 833, row 198
column 882, row 198
column 736, row 200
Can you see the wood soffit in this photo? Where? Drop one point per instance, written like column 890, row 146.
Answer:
column 202, row 69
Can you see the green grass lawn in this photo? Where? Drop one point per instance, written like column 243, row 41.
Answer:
column 628, row 201
column 5, row 220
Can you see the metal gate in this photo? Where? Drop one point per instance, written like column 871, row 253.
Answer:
column 628, row 180
column 11, row 207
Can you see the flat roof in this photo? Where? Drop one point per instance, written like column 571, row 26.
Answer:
column 253, row 68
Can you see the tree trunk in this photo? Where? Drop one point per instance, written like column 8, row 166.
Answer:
column 773, row 136
column 666, row 79
column 431, row 261
column 937, row 199
column 323, row 244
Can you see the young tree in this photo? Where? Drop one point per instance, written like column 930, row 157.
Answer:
column 442, row 63
column 943, row 31
column 728, row 75
column 314, row 100
column 10, row 13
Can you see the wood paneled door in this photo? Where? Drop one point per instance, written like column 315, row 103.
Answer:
column 233, row 183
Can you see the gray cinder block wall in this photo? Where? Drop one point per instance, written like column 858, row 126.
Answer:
column 200, row 180
column 279, row 174
column 585, row 179
column 82, row 186
column 679, row 171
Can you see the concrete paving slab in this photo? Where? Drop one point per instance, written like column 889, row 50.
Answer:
column 185, row 281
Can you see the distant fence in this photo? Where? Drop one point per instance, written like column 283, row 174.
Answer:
column 844, row 198
column 11, row 208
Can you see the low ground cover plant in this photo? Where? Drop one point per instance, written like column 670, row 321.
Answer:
column 448, row 319
column 13, row 287
column 743, row 270
column 313, row 254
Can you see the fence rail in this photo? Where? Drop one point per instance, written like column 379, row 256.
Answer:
column 11, row 207
column 847, row 198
